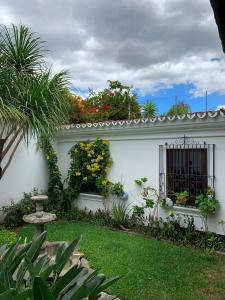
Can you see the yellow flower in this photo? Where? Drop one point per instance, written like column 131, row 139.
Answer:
column 105, row 182
column 106, row 143
column 85, row 178
column 89, row 155
column 78, row 173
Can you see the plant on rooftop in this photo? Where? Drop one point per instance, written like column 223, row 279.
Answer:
column 25, row 274
column 180, row 109
column 90, row 162
column 33, row 102
column 76, row 109
column 149, row 110
column 116, row 102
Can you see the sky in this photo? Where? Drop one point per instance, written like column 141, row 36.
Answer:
column 168, row 50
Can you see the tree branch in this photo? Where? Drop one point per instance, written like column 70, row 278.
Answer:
column 11, row 157
column 10, row 132
column 3, row 129
column 7, row 148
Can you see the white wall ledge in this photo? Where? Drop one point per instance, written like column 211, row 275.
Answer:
column 90, row 197
column 184, row 210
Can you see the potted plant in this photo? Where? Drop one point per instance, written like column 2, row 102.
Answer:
column 182, row 197
column 210, row 192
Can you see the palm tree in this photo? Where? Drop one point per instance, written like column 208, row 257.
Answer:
column 149, row 110
column 33, row 102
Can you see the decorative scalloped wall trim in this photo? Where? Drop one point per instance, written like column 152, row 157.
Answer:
column 120, row 123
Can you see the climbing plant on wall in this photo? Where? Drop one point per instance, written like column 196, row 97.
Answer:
column 58, row 196
column 90, row 162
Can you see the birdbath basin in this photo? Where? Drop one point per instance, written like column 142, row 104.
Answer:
column 40, row 217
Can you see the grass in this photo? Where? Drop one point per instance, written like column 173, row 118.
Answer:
column 151, row 269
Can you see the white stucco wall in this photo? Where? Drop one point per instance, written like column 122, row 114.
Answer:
column 135, row 152
column 27, row 171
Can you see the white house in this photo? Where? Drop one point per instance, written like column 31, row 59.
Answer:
column 174, row 153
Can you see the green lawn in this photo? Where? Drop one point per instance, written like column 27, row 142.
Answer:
column 151, row 269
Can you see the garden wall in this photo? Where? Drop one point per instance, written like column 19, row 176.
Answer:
column 134, row 147
column 27, row 171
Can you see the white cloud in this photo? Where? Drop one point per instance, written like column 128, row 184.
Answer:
column 220, row 107
column 147, row 43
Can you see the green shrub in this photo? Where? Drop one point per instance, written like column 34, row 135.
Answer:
column 90, row 162
column 7, row 237
column 116, row 189
column 14, row 213
column 59, row 199
column 119, row 214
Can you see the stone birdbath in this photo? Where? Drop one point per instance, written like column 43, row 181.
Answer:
column 40, row 217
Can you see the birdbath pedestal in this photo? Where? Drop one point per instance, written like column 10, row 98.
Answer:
column 40, row 217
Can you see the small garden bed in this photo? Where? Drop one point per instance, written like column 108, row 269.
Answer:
column 151, row 269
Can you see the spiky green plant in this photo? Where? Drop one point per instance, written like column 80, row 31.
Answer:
column 33, row 102
column 27, row 275
column 149, row 110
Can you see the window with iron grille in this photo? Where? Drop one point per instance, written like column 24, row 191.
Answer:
column 186, row 166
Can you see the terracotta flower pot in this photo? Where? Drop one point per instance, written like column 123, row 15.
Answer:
column 182, row 200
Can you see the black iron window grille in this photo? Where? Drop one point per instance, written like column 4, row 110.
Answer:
column 186, row 165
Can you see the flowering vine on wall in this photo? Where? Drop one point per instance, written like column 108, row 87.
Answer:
column 90, row 162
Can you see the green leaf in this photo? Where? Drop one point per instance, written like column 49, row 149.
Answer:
column 26, row 294
column 18, row 258
column 65, row 256
column 8, row 295
column 35, row 247
column 88, row 287
column 63, row 281
column 41, row 291
column 71, row 288
column 46, row 273
column 103, row 287
column 2, row 249
column 31, row 255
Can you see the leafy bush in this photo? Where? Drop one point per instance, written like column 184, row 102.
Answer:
column 119, row 214
column 182, row 197
column 116, row 189
column 116, row 102
column 7, row 237
column 25, row 274
column 59, row 200
column 180, row 109
column 14, row 213
column 90, row 162
column 207, row 206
